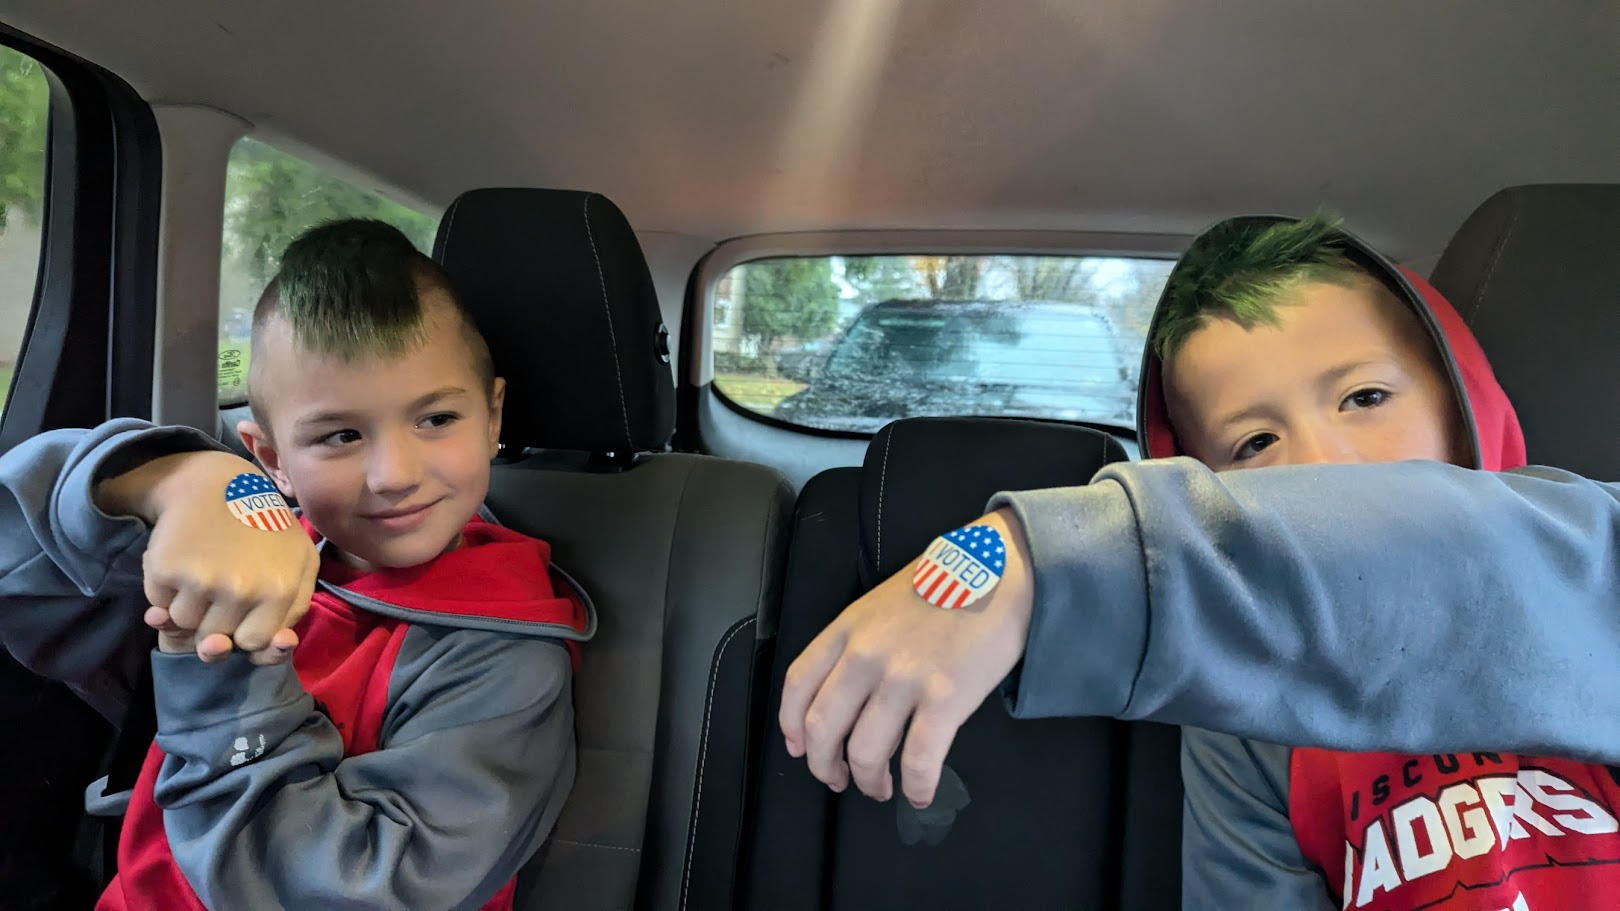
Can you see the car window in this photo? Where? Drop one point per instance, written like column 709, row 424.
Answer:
column 24, row 112
column 270, row 198
column 850, row 343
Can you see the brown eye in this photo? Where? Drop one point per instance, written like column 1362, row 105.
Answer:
column 1366, row 398
column 1254, row 445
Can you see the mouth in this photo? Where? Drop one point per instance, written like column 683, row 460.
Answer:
column 402, row 518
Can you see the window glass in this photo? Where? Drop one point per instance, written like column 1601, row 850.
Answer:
column 270, row 198
column 24, row 112
column 854, row 342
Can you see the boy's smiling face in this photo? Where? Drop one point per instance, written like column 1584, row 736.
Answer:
column 1348, row 374
column 388, row 456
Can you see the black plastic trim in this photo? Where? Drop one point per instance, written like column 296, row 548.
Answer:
column 88, row 344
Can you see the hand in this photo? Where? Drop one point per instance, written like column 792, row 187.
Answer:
column 890, row 657
column 214, row 583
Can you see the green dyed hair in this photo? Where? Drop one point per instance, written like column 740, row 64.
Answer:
column 1241, row 269
column 351, row 289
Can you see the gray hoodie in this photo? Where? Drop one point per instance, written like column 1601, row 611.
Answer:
column 431, row 768
column 1422, row 609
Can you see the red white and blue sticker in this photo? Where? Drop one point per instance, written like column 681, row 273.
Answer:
column 255, row 501
column 961, row 567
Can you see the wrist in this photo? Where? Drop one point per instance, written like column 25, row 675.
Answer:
column 1016, row 592
column 146, row 490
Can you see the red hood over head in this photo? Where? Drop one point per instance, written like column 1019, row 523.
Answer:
column 1498, row 441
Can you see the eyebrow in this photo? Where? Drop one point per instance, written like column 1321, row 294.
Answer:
column 345, row 417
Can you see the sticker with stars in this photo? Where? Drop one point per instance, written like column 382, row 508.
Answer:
column 961, row 567
column 256, row 502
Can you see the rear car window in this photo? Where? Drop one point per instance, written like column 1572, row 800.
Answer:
column 850, row 343
column 24, row 112
column 271, row 197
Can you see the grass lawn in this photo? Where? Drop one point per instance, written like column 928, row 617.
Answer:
column 5, row 384
column 756, row 393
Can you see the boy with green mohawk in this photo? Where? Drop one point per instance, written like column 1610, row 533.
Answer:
column 1291, row 343
column 1389, row 618
column 365, row 706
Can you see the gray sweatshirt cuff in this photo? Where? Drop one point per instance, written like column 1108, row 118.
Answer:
column 1088, row 630
column 199, row 704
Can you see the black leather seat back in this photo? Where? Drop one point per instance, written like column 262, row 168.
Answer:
column 1534, row 271
column 1048, row 824
column 683, row 554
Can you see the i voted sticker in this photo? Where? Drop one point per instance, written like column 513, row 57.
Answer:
column 961, row 567
column 257, row 503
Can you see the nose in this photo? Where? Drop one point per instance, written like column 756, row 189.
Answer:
column 395, row 466
column 1323, row 446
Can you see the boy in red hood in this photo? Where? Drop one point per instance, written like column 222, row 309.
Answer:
column 1364, row 588
column 417, row 747
column 1283, row 342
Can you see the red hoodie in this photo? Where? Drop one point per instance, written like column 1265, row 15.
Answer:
column 345, row 659
column 1474, row 830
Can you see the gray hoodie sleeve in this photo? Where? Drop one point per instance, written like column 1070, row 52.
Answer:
column 71, row 594
column 475, row 758
column 1411, row 607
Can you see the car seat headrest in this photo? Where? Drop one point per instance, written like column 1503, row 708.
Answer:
column 557, row 283
column 926, row 476
column 1535, row 273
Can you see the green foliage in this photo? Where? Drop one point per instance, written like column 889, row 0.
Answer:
column 272, row 197
column 788, row 298
column 24, row 115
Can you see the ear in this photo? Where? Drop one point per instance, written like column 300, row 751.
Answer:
column 497, row 401
column 258, row 442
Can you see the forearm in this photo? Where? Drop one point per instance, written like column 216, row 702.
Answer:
column 455, row 798
column 1411, row 607
column 70, row 572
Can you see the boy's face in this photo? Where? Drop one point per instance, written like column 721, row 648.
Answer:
column 388, row 457
column 1347, row 375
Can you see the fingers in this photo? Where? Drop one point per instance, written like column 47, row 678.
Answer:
column 158, row 618
column 159, row 593
column 259, row 625
column 804, row 680
column 305, row 590
column 186, row 610
column 928, row 742
column 827, row 724
column 877, row 736
column 279, row 651
column 267, row 631
column 226, row 612
column 214, row 648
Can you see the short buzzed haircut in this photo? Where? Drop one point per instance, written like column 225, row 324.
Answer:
column 351, row 289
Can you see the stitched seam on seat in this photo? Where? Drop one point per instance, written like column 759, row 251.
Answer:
column 449, row 230
column 613, row 339
column 764, row 556
column 587, row 844
column 883, row 480
column 1473, row 311
column 703, row 755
